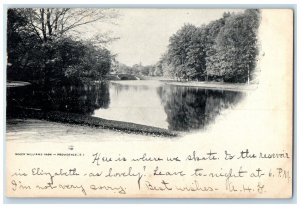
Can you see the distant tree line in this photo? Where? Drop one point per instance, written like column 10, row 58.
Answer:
column 42, row 46
column 137, row 69
column 223, row 50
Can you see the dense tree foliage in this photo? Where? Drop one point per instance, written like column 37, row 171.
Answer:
column 137, row 69
column 237, row 45
column 223, row 50
column 187, row 51
column 42, row 49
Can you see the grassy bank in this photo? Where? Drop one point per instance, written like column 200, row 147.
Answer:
column 213, row 85
column 86, row 120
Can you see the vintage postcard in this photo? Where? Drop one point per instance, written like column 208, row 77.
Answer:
column 151, row 103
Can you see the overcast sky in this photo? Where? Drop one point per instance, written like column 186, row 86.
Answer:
column 144, row 33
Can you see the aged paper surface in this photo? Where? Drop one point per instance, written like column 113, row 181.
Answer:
column 245, row 153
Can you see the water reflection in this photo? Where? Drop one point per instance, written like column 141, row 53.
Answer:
column 144, row 102
column 136, row 102
column 192, row 108
column 126, row 86
column 82, row 99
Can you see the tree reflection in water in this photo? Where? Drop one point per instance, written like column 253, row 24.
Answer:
column 190, row 108
column 180, row 108
column 83, row 99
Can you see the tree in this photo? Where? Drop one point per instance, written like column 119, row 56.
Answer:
column 236, row 46
column 213, row 58
column 167, row 67
column 196, row 55
column 186, row 52
column 41, row 47
column 94, row 64
column 124, row 69
column 48, row 23
column 179, row 45
column 223, row 50
column 158, row 70
column 20, row 42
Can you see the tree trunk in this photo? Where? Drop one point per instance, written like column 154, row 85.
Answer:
column 248, row 77
column 42, row 11
column 48, row 22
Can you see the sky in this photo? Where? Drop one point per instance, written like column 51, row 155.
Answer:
column 144, row 33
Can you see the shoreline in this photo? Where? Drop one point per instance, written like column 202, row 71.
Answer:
column 212, row 85
column 86, row 120
column 115, row 125
column 198, row 84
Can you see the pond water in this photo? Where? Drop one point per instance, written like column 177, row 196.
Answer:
column 147, row 102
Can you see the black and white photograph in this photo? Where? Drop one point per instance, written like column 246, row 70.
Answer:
column 104, row 68
column 149, row 102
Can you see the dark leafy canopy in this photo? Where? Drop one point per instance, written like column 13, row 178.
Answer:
column 237, row 44
column 180, row 44
column 225, row 49
column 94, row 63
column 187, row 51
column 40, row 48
